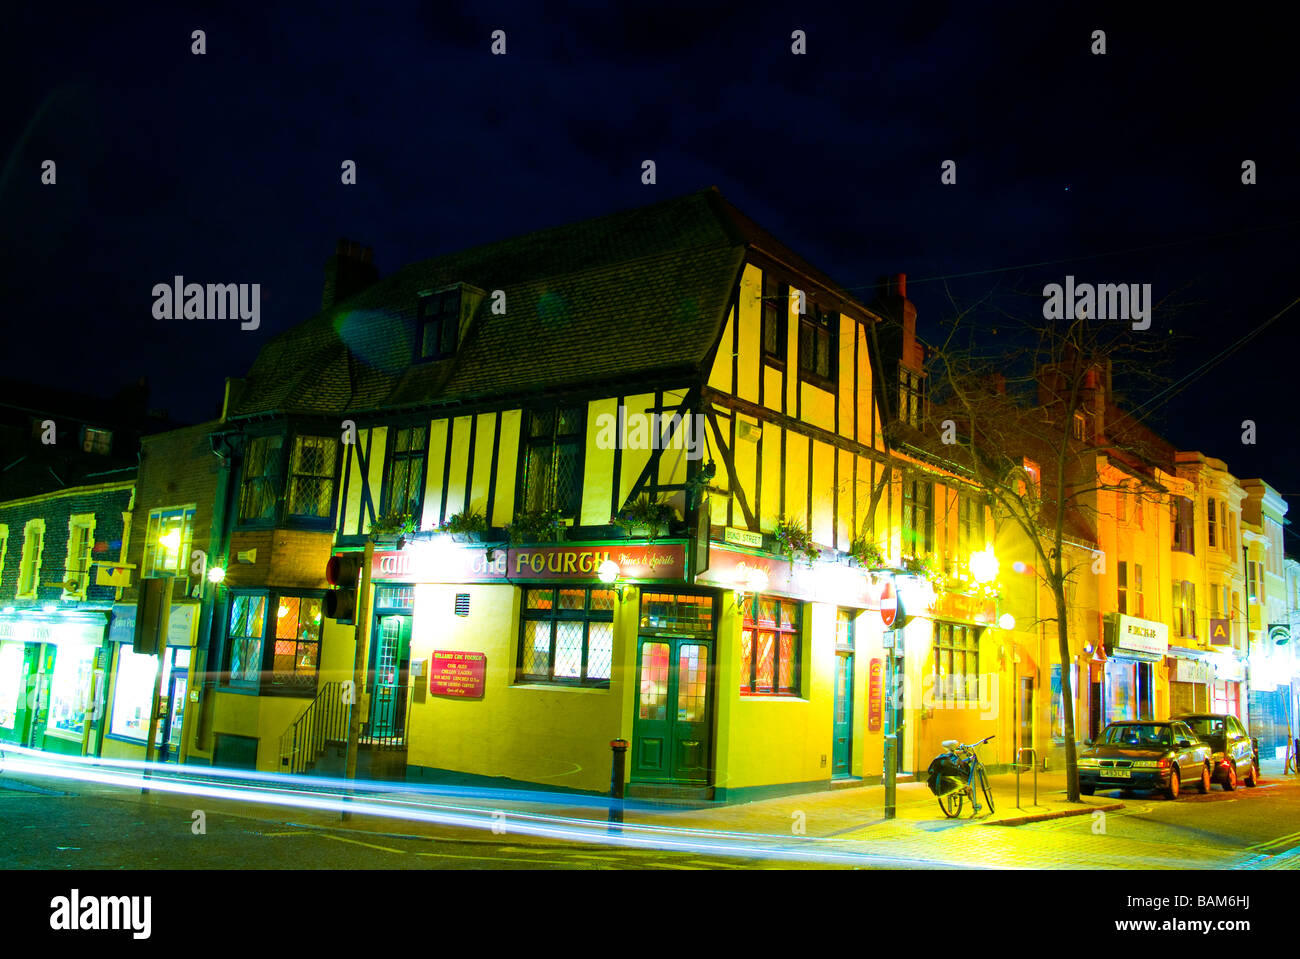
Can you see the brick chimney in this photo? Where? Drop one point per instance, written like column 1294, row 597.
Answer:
column 893, row 305
column 349, row 271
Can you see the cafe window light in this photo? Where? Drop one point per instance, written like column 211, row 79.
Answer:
column 96, row 441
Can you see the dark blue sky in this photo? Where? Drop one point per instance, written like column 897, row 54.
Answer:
column 225, row 167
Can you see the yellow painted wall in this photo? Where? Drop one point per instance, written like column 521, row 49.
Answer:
column 485, row 429
column 773, row 477
column 796, row 477
column 558, row 736
column 598, row 468
column 433, row 478
column 456, row 491
column 823, row 487
column 503, row 510
column 751, row 292
column 720, row 374
column 818, row 406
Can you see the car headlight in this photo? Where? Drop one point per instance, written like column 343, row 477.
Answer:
column 1146, row 763
column 1088, row 762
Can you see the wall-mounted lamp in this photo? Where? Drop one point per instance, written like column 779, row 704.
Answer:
column 608, row 573
column 216, row 575
column 749, row 583
column 1007, row 621
column 247, row 556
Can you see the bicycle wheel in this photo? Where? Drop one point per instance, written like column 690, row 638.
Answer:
column 985, row 787
column 950, row 802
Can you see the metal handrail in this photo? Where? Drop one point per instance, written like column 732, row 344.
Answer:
column 304, row 741
column 1018, row 764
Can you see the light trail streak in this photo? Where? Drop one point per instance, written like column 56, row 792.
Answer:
column 131, row 774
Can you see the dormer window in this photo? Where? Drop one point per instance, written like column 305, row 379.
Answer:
column 438, row 325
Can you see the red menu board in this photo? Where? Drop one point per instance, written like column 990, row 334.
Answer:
column 457, row 674
column 876, row 695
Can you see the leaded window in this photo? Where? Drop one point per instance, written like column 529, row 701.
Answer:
column 247, row 628
column 769, row 647
column 404, row 475
column 258, row 492
column 567, row 635
column 918, row 516
column 296, row 658
column 552, row 451
column 311, row 477
column 911, row 397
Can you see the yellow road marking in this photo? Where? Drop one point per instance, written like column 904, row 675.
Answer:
column 1278, row 842
column 358, row 842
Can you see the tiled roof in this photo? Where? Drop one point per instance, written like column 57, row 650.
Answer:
column 626, row 295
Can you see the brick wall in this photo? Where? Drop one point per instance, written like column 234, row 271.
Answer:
column 107, row 503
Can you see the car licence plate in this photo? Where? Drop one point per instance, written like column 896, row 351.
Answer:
column 1117, row 773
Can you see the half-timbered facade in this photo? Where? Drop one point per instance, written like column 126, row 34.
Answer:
column 498, row 421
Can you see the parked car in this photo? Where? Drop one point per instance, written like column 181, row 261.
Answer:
column 1145, row 754
column 1235, row 756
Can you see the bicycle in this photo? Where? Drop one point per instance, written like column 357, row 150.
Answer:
column 949, row 789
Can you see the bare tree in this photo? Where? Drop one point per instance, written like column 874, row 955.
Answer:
column 1016, row 392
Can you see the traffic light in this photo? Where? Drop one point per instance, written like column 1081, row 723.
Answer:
column 342, row 572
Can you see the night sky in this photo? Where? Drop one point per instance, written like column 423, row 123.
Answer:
column 226, row 167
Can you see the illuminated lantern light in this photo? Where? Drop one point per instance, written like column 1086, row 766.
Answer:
column 984, row 566
column 1007, row 621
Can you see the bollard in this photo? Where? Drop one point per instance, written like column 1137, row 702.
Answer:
column 891, row 774
column 619, row 749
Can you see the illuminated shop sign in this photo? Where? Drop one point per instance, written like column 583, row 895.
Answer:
column 436, row 563
column 31, row 631
column 180, row 624
column 730, row 567
column 1130, row 635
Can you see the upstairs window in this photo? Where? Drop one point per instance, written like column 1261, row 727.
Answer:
column 1210, row 512
column 1077, row 426
column 96, row 441
column 918, row 517
column 776, row 313
column 970, row 525
column 29, row 569
column 1185, row 609
column 911, row 397
column 260, row 486
column 167, row 545
column 817, row 345
column 76, row 566
column 404, row 472
column 1181, row 516
column 438, row 325
column 1122, row 575
column 311, row 477
column 552, row 476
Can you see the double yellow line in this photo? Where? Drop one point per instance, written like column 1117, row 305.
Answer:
column 1276, row 845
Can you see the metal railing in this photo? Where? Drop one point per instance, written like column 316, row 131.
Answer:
column 325, row 721
column 1019, row 766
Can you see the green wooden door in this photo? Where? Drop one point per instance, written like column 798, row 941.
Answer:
column 842, row 724
column 672, row 729
column 40, row 678
column 391, row 659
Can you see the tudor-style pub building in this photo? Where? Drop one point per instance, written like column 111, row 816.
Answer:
column 476, row 385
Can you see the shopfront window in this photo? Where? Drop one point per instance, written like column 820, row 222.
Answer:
column 1058, row 700
column 1227, row 698
column 11, row 681
column 71, row 688
column 769, row 647
column 133, row 689
column 1122, row 683
column 567, row 636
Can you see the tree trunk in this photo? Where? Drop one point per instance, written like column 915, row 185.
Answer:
column 1067, row 691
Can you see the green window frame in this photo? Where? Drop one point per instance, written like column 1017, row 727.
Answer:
column 771, row 647
column 551, row 477
column 260, row 486
column 404, row 471
column 438, row 325
column 566, row 635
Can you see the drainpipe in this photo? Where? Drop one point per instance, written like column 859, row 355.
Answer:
column 219, row 536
